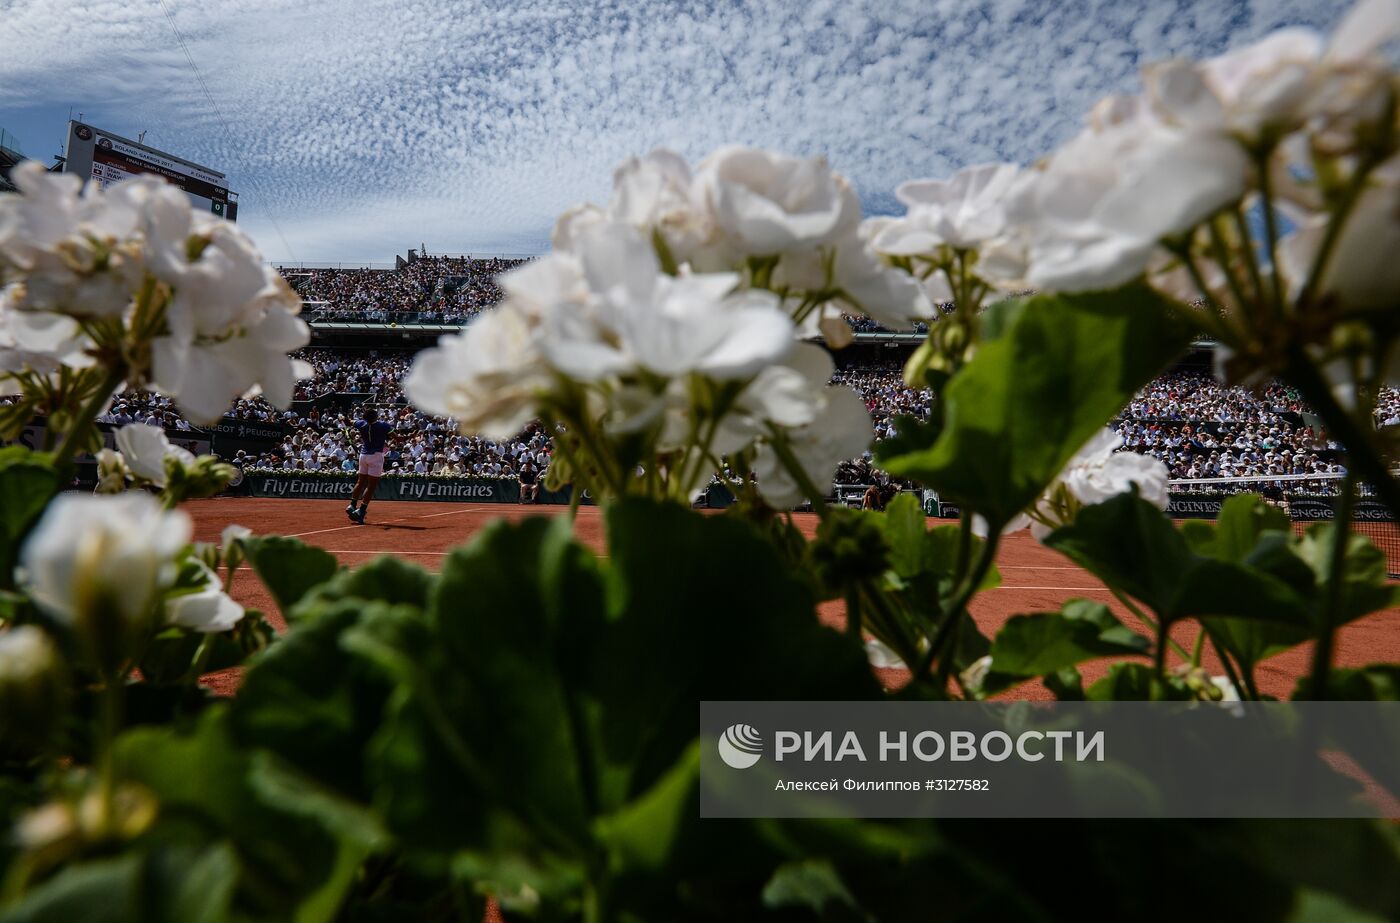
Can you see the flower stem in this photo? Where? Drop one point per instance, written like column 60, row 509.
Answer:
column 953, row 614
column 799, row 474
column 109, row 723
column 1146, row 619
column 1350, row 196
column 1222, row 258
column 69, row 446
column 1363, row 454
column 1270, row 232
column 1326, row 639
column 1246, row 690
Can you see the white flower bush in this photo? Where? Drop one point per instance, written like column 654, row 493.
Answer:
column 132, row 277
column 669, row 318
column 1252, row 198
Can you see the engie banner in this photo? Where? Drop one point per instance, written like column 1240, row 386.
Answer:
column 1307, row 509
column 335, row 487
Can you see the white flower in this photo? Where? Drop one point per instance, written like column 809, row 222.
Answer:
column 38, row 342
column 233, row 532
column 1273, row 86
column 1228, row 692
column 657, row 193
column 204, row 374
column 96, row 555
column 145, row 450
column 842, row 430
column 1096, row 473
column 792, row 392
column 881, row 656
column 1091, row 215
column 976, row 673
column 889, row 296
column 111, row 472
column 207, row 610
column 26, row 656
column 486, row 377
column 71, row 245
column 640, row 318
column 83, row 253
column 1362, row 272
column 964, row 212
column 768, row 203
column 569, row 228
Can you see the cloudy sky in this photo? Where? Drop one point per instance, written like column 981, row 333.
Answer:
column 355, row 129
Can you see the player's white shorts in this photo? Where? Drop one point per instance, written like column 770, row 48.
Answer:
column 372, row 465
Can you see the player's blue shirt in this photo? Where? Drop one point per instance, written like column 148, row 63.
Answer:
column 372, row 436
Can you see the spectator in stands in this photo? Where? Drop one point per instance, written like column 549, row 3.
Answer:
column 529, row 483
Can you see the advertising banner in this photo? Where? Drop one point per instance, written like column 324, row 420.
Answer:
column 32, row 437
column 338, row 487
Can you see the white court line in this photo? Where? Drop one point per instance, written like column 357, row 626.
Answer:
column 395, row 551
column 1079, row 589
column 1036, row 567
column 474, row 509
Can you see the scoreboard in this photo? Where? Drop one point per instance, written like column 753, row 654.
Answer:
column 106, row 158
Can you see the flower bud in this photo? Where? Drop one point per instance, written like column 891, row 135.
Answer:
column 33, row 690
column 111, row 472
column 850, row 548
column 99, row 565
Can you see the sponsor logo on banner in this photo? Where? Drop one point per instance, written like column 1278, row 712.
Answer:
column 1204, row 506
column 305, row 487
column 445, row 490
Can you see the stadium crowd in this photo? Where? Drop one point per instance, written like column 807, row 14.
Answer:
column 430, row 289
column 1198, row 427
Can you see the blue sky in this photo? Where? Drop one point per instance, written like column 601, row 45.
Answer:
column 355, row 129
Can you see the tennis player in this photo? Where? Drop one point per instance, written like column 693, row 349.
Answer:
column 373, row 434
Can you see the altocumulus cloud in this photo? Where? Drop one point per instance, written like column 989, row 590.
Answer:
column 365, row 127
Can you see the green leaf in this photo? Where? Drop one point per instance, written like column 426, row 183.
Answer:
column 204, row 884
column 1133, row 682
column 906, row 531
column 1046, row 643
column 1067, row 685
column 313, row 701
column 1379, row 682
column 911, row 436
column 552, row 715
column 100, row 891
column 1236, row 532
column 1365, row 587
column 294, row 867
column 384, row 579
column 643, row 834
column 813, row 884
column 289, row 568
column 26, row 487
column 1034, row 396
column 1130, row 544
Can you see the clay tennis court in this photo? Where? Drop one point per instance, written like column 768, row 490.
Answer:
column 1034, row 578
